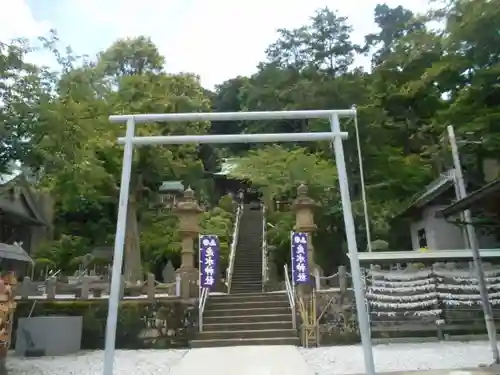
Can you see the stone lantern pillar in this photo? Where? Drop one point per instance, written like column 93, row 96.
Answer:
column 188, row 212
column 303, row 207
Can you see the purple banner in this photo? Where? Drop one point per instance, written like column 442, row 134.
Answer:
column 209, row 259
column 300, row 264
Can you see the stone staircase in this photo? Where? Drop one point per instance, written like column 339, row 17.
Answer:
column 247, row 316
column 247, row 319
column 247, row 273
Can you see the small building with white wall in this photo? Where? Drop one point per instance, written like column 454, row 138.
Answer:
column 429, row 228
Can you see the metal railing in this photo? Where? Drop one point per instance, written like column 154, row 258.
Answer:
column 234, row 244
column 290, row 292
column 204, row 292
column 264, row 249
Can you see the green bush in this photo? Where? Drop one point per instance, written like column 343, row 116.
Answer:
column 141, row 324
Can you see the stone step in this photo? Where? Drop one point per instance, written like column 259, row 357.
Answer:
column 249, row 297
column 246, row 288
column 246, row 270
column 249, row 260
column 248, row 326
column 229, row 305
column 243, row 284
column 248, row 274
column 248, row 263
column 254, row 276
column 243, row 311
column 251, row 264
column 238, row 281
column 252, row 334
column 247, row 319
column 244, row 342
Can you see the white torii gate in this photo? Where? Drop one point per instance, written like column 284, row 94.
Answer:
column 335, row 135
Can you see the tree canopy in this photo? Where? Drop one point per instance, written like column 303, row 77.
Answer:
column 421, row 79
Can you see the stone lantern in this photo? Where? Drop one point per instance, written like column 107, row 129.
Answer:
column 170, row 192
column 188, row 211
column 303, row 207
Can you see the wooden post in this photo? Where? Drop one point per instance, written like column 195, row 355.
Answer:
column 25, row 288
column 122, row 286
column 342, row 279
column 150, row 287
column 50, row 288
column 85, row 288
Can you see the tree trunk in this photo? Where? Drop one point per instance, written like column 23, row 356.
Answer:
column 133, row 262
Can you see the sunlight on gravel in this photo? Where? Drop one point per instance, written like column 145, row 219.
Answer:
column 133, row 362
column 337, row 360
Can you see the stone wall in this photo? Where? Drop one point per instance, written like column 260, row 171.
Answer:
column 337, row 313
column 142, row 324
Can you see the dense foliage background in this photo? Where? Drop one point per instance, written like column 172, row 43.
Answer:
column 421, row 80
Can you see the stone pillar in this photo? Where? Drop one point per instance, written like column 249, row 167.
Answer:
column 188, row 212
column 303, row 207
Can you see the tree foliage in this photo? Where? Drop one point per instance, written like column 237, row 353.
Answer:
column 421, row 80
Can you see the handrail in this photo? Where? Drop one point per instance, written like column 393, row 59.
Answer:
column 234, row 244
column 290, row 291
column 201, row 306
column 264, row 249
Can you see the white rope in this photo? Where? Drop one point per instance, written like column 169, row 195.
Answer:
column 400, row 275
column 466, row 287
column 407, row 313
column 403, row 305
column 409, row 298
column 404, row 289
column 430, row 280
column 157, row 283
column 469, row 274
column 471, row 280
column 329, row 277
column 452, row 302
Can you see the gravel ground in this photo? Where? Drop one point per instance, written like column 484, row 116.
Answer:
column 127, row 362
column 337, row 360
column 398, row 357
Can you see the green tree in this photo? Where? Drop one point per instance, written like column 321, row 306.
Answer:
column 79, row 172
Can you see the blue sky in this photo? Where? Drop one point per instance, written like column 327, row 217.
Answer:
column 217, row 39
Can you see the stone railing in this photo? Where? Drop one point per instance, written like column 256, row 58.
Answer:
column 88, row 287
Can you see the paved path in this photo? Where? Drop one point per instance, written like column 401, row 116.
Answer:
column 243, row 360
